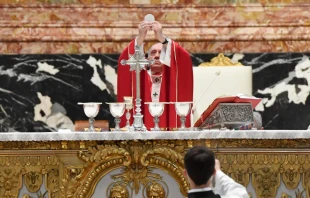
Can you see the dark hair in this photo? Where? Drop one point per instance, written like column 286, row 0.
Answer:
column 199, row 163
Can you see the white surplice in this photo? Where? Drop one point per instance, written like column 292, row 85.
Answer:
column 226, row 187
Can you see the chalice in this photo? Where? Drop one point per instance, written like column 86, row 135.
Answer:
column 183, row 109
column 156, row 110
column 129, row 105
column 117, row 110
column 91, row 110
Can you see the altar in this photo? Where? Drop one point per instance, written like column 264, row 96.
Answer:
column 146, row 164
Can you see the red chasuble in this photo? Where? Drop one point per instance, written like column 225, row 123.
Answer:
column 176, row 86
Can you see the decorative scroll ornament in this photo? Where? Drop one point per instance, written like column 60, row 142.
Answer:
column 137, row 176
column 33, row 181
column 266, row 181
column 52, row 181
column 221, row 60
column 70, row 185
column 16, row 171
column 291, row 178
column 137, row 162
column 104, row 153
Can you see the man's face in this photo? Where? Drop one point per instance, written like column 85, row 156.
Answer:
column 154, row 54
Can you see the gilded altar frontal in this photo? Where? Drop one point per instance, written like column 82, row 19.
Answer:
column 148, row 168
column 55, row 54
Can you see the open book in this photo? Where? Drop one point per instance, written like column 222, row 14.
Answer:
column 226, row 99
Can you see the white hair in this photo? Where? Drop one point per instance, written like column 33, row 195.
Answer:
column 149, row 51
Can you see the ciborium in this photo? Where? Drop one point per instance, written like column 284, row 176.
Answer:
column 129, row 105
column 117, row 109
column 91, row 110
column 156, row 109
column 183, row 109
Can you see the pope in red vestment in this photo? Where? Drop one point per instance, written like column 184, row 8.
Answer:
column 171, row 76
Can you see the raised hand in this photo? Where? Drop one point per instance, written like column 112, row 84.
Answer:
column 143, row 27
column 157, row 28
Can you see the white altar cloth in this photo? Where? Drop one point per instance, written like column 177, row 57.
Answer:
column 177, row 135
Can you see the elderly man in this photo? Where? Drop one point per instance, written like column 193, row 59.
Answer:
column 168, row 79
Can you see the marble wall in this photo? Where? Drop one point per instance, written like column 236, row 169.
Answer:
column 282, row 80
column 41, row 92
column 203, row 26
column 57, row 53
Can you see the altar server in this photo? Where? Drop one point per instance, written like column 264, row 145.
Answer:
column 200, row 165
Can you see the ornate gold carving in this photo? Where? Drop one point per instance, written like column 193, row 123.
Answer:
column 103, row 153
column 155, row 190
column 10, row 161
column 33, row 181
column 71, row 181
column 10, row 181
column 119, row 191
column 284, row 195
column 82, row 145
column 64, row 145
column 166, row 152
column 266, row 169
column 291, row 178
column 136, row 176
column 137, row 160
column 257, row 143
column 74, row 172
column 134, row 179
column 220, row 60
column 306, row 181
column 208, row 143
column 260, row 163
column 25, row 145
column 52, row 183
column 32, row 168
column 138, row 156
column 266, row 181
column 214, row 143
column 189, row 143
column 47, row 145
column 241, row 176
column 70, row 185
